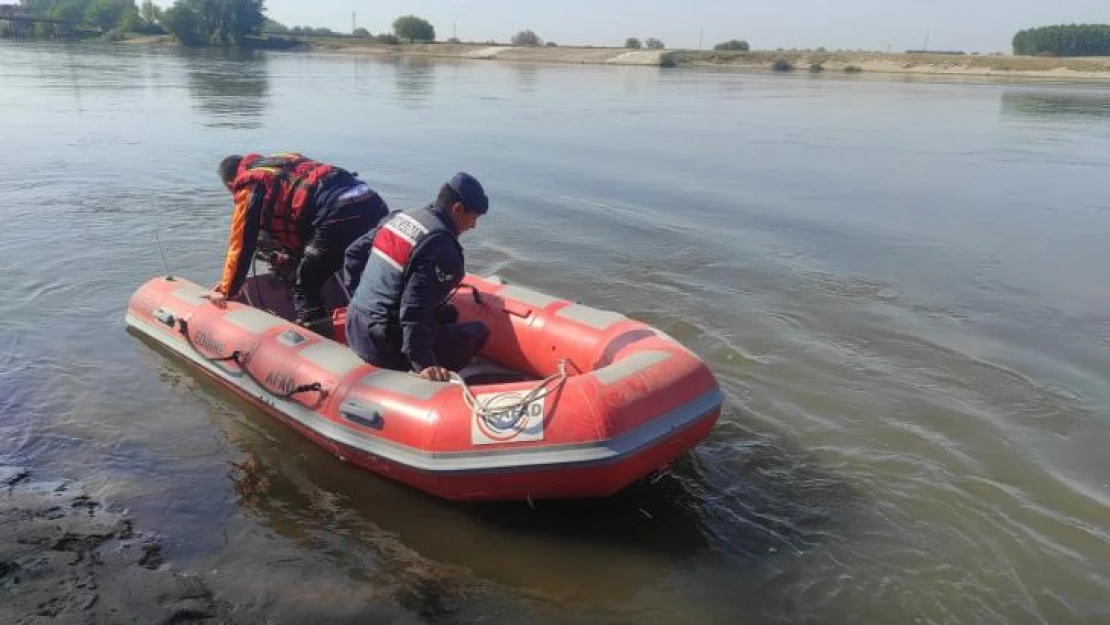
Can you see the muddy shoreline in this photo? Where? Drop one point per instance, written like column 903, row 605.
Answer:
column 67, row 557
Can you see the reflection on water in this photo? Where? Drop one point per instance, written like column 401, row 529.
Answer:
column 368, row 533
column 415, row 78
column 525, row 74
column 1070, row 103
column 439, row 558
column 230, row 87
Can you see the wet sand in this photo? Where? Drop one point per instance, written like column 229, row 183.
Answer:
column 65, row 557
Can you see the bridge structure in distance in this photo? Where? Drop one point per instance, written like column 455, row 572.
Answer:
column 20, row 24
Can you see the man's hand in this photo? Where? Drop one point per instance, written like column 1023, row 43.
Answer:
column 436, row 374
column 216, row 297
column 279, row 261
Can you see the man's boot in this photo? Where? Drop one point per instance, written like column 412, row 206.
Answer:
column 317, row 321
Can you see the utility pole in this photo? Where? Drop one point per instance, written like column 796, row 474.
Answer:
column 926, row 48
column 454, row 35
column 701, row 31
column 354, row 23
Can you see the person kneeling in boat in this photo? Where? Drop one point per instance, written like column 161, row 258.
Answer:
column 402, row 274
column 311, row 209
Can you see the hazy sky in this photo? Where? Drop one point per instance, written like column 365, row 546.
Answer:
column 970, row 25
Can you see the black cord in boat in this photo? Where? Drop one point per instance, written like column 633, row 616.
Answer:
column 240, row 359
column 257, row 288
column 473, row 290
column 183, row 327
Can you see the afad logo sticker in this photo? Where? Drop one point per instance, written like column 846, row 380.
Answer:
column 515, row 425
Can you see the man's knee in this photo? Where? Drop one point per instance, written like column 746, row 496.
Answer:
column 310, row 266
column 359, row 339
column 317, row 265
column 371, row 343
column 480, row 332
column 446, row 314
column 474, row 335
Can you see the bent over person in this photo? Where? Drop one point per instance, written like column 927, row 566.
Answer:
column 313, row 210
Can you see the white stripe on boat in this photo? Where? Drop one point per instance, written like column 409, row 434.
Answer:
column 593, row 317
column 528, row 296
column 629, row 365
column 332, row 357
column 403, row 383
column 252, row 320
column 190, row 294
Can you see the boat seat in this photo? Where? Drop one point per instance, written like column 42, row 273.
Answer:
column 482, row 371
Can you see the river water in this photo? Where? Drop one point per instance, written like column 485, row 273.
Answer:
column 901, row 284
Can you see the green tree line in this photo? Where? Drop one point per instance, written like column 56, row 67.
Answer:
column 214, row 22
column 105, row 14
column 192, row 22
column 1064, row 40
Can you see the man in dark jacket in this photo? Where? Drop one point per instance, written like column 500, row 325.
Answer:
column 401, row 275
column 312, row 210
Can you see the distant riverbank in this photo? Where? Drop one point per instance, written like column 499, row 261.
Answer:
column 965, row 65
column 803, row 61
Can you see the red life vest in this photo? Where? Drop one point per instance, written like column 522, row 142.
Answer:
column 291, row 181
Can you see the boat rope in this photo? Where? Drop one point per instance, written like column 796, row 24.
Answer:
column 242, row 359
column 473, row 292
column 183, row 327
column 258, row 289
column 505, row 416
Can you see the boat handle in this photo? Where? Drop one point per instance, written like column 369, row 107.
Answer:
column 473, row 291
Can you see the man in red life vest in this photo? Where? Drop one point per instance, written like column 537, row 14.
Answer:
column 311, row 209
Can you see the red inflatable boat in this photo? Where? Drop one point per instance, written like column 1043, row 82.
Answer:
column 568, row 401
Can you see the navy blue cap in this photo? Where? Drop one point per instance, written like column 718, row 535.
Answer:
column 471, row 192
